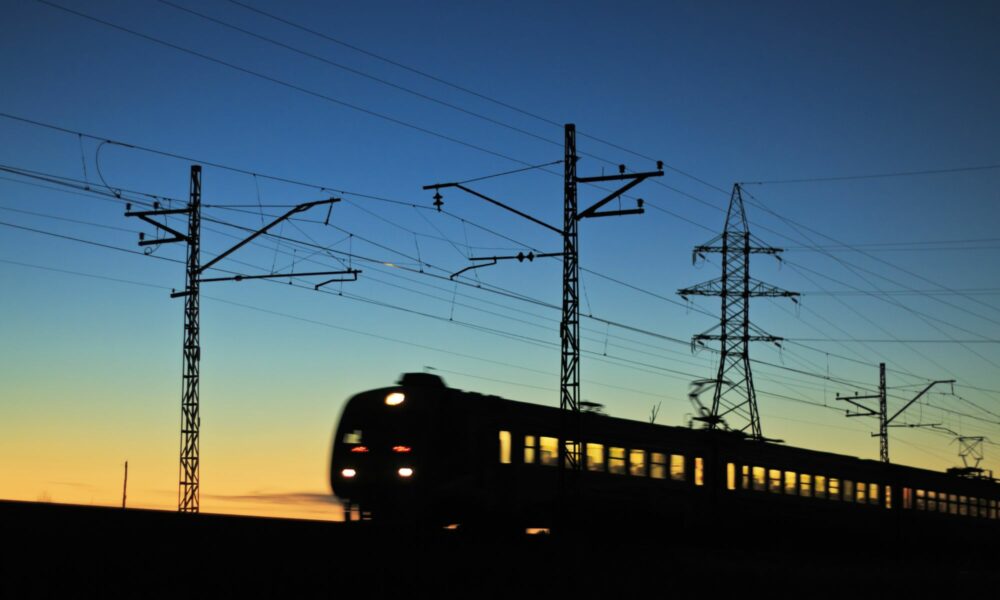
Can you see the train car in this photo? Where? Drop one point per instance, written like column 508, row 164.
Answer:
column 426, row 453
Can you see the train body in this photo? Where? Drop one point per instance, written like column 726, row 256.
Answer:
column 423, row 452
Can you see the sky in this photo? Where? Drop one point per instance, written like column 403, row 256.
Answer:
column 370, row 102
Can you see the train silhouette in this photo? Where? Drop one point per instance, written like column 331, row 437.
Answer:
column 422, row 452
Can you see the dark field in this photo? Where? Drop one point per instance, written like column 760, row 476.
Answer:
column 72, row 551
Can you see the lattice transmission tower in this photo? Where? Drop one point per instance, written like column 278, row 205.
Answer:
column 734, row 401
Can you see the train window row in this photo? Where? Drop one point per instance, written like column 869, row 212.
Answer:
column 602, row 458
column 953, row 504
column 807, row 485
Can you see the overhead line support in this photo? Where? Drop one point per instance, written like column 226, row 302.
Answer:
column 189, row 485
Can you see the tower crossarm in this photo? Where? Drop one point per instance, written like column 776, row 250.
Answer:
column 760, row 289
column 715, row 287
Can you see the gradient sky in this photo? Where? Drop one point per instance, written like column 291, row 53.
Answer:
column 91, row 354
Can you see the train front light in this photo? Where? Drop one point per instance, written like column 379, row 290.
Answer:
column 405, row 472
column 395, row 399
column 348, row 473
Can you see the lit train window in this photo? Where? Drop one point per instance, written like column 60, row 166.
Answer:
column 932, row 501
column 352, row 437
column 677, row 467
column 658, row 465
column 920, row 504
column 861, row 493
column 699, row 471
column 953, row 504
column 595, row 457
column 963, row 509
column 873, row 493
column 805, row 485
column 572, row 450
column 730, row 476
column 637, row 463
column 774, row 481
column 505, row 447
column 758, row 479
column 942, row 502
column 791, row 483
column 888, row 496
column 907, row 498
column 529, row 449
column 848, row 493
column 548, row 451
column 745, row 477
column 993, row 509
column 973, row 507
column 820, row 487
column 616, row 461
column 833, row 488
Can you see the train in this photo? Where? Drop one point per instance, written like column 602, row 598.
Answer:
column 422, row 452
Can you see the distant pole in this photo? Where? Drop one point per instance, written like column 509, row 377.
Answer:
column 884, row 420
column 125, row 487
column 883, row 416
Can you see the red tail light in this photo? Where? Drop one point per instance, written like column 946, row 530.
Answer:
column 359, row 449
column 401, row 449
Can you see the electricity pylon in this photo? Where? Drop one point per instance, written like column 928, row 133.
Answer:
column 734, row 398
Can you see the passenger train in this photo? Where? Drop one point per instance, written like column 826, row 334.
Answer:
column 425, row 453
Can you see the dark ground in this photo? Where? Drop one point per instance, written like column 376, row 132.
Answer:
column 53, row 550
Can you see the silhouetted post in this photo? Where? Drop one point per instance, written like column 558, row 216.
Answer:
column 188, row 492
column 570, row 456
column 125, row 486
column 884, row 420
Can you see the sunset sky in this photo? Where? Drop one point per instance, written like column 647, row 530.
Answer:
column 901, row 269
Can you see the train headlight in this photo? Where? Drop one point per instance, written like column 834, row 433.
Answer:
column 405, row 472
column 395, row 399
column 348, row 473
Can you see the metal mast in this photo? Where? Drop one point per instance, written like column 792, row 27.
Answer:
column 569, row 325
column 884, row 420
column 734, row 401
column 188, row 491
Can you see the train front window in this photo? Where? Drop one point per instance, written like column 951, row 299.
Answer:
column 548, row 449
column 861, row 493
column 820, row 487
column 759, row 479
column 637, row 463
column 352, row 437
column 873, row 493
column 595, row 457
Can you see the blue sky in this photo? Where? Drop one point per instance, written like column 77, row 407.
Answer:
column 725, row 92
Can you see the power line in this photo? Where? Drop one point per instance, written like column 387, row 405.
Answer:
column 875, row 175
